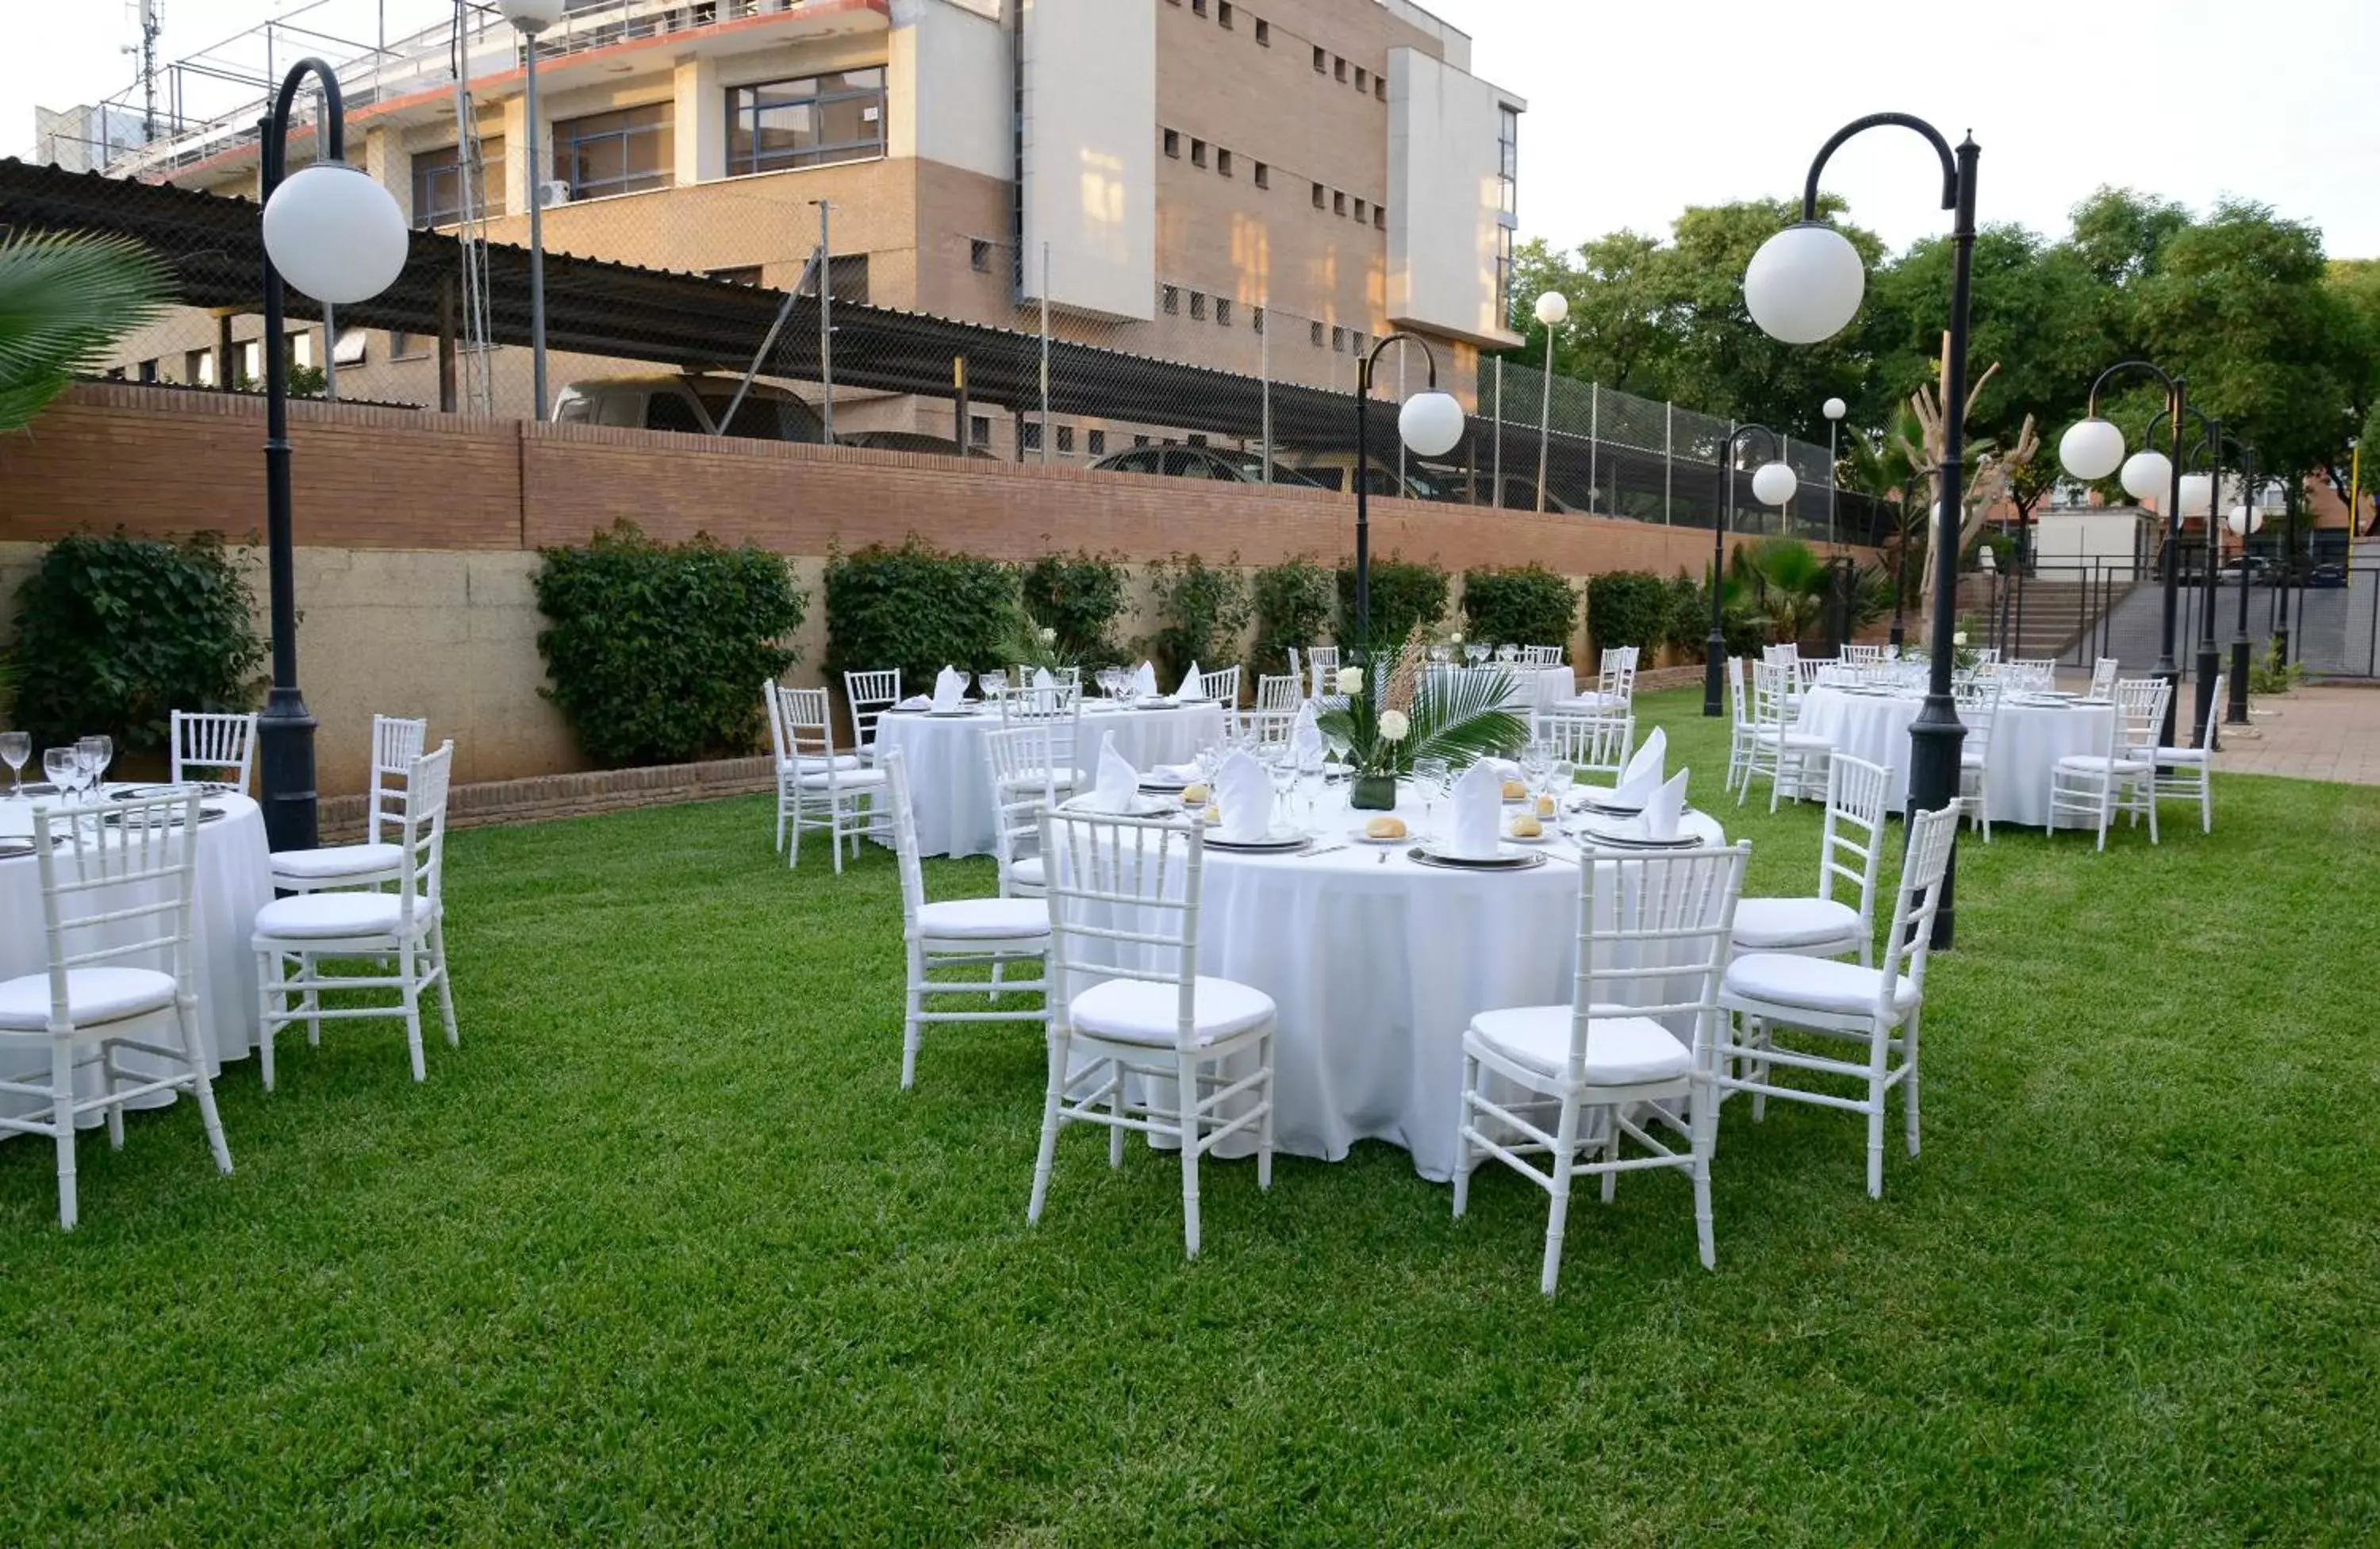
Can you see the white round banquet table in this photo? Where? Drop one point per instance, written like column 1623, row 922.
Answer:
column 1540, row 687
column 234, row 881
column 2027, row 740
column 949, row 784
column 1375, row 968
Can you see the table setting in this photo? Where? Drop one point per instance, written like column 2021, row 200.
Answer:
column 2031, row 731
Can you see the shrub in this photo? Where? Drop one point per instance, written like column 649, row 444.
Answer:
column 920, row 609
column 1404, row 592
column 1629, row 607
column 1292, row 609
column 1202, row 610
column 657, row 651
column 1744, row 630
column 115, row 633
column 1527, row 605
column 1081, row 597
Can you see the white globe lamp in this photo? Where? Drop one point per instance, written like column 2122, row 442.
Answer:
column 2091, row 449
column 1430, row 423
column 531, row 17
column 2197, row 494
column 1836, row 408
column 2245, row 521
column 334, row 234
column 1773, row 484
column 1553, row 307
column 1804, row 284
column 2148, row 475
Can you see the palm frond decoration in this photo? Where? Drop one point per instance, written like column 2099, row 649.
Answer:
column 1405, row 715
column 64, row 298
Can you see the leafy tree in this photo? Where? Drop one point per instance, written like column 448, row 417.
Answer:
column 2119, row 234
column 65, row 297
column 1622, row 328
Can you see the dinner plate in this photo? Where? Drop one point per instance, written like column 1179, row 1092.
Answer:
column 1165, row 788
column 150, row 793
column 1519, row 860
column 15, row 845
column 1155, row 704
column 1142, row 807
column 38, row 788
column 1543, row 836
column 949, row 714
column 1592, row 802
column 905, row 710
column 1615, row 841
column 1279, row 842
column 1361, row 838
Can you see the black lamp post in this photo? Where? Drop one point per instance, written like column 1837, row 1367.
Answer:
column 2210, row 662
column 1773, row 485
column 339, row 237
column 2092, row 448
column 1430, row 423
column 1803, row 286
column 2248, row 519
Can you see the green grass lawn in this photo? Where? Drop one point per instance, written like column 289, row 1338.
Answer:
column 662, row 1253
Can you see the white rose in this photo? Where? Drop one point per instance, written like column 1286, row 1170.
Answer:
column 1958, row 639
column 1393, row 726
column 1351, row 680
column 1048, row 636
column 1455, row 639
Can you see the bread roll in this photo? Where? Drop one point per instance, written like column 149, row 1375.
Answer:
column 1514, row 790
column 1544, row 806
column 1194, row 795
column 1527, row 827
column 1385, row 827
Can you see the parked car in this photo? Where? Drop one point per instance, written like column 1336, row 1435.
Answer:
column 1333, row 470
column 2330, row 572
column 1199, row 462
column 912, row 441
column 2260, row 570
column 1520, row 495
column 691, row 403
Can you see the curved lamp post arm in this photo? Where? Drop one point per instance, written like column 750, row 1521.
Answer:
column 1877, row 121
column 2176, row 388
column 1371, row 356
column 275, row 154
column 1363, row 478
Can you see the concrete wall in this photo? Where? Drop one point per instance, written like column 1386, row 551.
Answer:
column 418, row 533
column 1444, row 200
column 1089, row 172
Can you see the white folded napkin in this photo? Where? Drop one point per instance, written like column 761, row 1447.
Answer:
column 1304, row 736
column 1194, row 684
column 1043, row 684
column 1245, row 793
column 1664, row 807
column 1477, row 812
column 950, row 687
column 915, row 701
column 1114, row 787
column 1642, row 777
column 1144, row 681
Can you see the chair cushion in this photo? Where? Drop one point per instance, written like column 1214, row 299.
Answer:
column 338, row 860
column 1972, row 758
column 1769, row 735
column 844, row 779
column 1142, row 1011
column 2095, row 763
column 983, row 919
column 318, row 915
column 2182, row 755
column 1620, row 1050
column 1029, row 871
column 93, row 995
column 816, row 763
column 1765, row 923
column 1031, row 779
column 1814, row 983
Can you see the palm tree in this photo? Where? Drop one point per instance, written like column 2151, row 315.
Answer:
column 64, row 298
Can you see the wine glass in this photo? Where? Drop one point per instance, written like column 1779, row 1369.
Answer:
column 61, row 765
column 1536, row 762
column 95, row 753
column 16, row 747
column 1475, row 653
column 1433, row 778
column 1310, row 776
column 1283, row 770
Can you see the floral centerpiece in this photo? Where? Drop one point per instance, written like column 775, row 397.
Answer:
column 1397, row 715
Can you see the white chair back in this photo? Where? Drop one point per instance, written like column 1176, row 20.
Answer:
column 213, row 746
column 1652, row 936
column 422, row 870
column 1772, row 687
column 1277, row 693
column 1851, row 847
column 1978, row 700
column 1910, row 940
column 397, row 741
column 2140, row 712
column 1541, row 655
column 1615, row 678
column 869, row 695
column 905, row 839
column 1735, row 690
column 2102, row 677
column 1017, row 762
column 772, row 700
column 809, row 720
column 1596, row 743
column 1222, row 686
column 1786, row 653
column 118, row 886
column 1323, row 661
column 1862, row 655
column 1124, row 904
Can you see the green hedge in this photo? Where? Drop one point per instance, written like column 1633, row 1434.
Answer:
column 1202, row 613
column 1524, row 604
column 1081, row 597
column 658, row 651
column 115, row 633
column 1689, row 622
column 1404, row 592
column 920, row 609
column 1628, row 607
column 1293, row 607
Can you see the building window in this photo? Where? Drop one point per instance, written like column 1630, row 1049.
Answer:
column 814, row 121
column 1222, row 161
column 1263, row 176
column 1338, row 340
column 979, row 255
column 300, row 346
column 742, row 274
column 407, row 347
column 1338, row 202
column 1098, row 443
column 1197, row 7
column 349, row 348
column 1321, row 60
column 1198, row 306
column 1065, row 438
column 848, row 274
column 979, row 429
column 1197, row 153
column 1508, row 162
column 1359, row 212
column 1339, row 69
column 1503, row 271
column 1362, row 79
column 1223, row 14
column 627, row 152
column 1381, row 87
column 1028, row 433
column 148, row 370
column 1256, row 319
column 1174, row 143
column 438, row 184
column 198, row 368
column 1380, row 216
column 1172, row 300
column 1314, row 332
column 1223, row 311
column 1317, row 196
column 1264, row 33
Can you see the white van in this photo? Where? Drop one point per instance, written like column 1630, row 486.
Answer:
column 694, row 404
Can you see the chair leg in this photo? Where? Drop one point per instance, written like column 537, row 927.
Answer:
column 307, row 971
column 1116, row 1111
column 1756, row 1034
column 1909, row 1080
column 445, row 983
column 1612, row 1151
column 1050, row 1123
column 202, row 1086
column 268, row 974
column 1875, row 1109
column 1264, row 1127
column 2205, row 802
column 1463, row 1162
column 912, row 1031
column 62, row 1099
column 1557, row 1215
column 409, row 988
column 2148, row 797
column 1704, row 1141
column 107, row 1078
column 1190, row 1126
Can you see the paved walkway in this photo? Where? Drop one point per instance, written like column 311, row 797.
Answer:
column 2314, row 734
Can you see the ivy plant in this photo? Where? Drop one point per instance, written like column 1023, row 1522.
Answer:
column 1202, row 613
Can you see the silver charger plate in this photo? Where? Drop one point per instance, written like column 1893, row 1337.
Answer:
column 1603, row 839
column 1270, row 845
column 1422, row 856
column 15, row 845
column 171, row 818
column 1155, row 704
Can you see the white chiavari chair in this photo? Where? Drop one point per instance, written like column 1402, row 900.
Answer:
column 869, row 695
column 829, row 791
column 403, row 933
column 1652, row 943
column 2186, row 774
column 1742, row 731
column 213, row 746
column 1979, row 709
column 1323, row 661
column 1595, row 742
column 1777, row 750
column 397, row 742
column 1850, row 848
column 2103, row 678
column 1875, row 1008
column 1017, row 767
column 117, row 904
column 1126, row 996
column 1862, row 655
column 2092, row 788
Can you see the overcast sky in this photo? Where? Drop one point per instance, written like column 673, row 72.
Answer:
column 1638, row 110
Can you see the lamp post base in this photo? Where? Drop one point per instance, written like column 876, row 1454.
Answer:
column 285, row 756
column 2210, row 666
column 1714, row 674
column 1935, row 740
column 2236, row 713
column 1896, row 636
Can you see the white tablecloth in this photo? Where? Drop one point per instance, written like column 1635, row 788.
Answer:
column 235, row 880
column 2026, row 742
column 950, row 788
column 1541, row 688
column 1375, row 968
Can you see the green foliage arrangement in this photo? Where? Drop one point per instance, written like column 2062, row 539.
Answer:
column 1079, row 596
column 1405, row 593
column 917, row 608
column 114, row 633
column 1628, row 607
column 1292, row 609
column 658, row 651
column 1405, row 715
column 1203, row 611
column 1522, row 604
column 65, row 297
